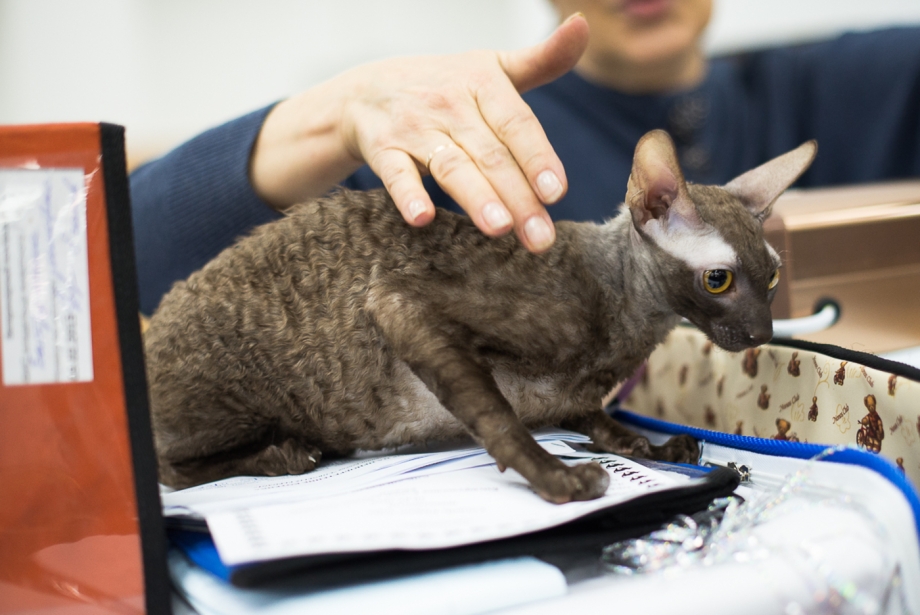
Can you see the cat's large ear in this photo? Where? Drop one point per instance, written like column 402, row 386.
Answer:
column 656, row 189
column 759, row 188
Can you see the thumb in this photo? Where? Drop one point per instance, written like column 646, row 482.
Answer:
column 546, row 61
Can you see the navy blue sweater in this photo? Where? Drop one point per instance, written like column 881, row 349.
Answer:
column 858, row 95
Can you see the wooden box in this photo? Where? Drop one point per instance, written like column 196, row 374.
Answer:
column 859, row 246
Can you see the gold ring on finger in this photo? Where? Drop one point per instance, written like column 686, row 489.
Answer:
column 434, row 153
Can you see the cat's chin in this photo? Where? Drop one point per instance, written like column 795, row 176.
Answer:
column 734, row 347
column 732, row 340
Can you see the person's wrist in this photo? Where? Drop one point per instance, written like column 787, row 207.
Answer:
column 300, row 151
column 349, row 88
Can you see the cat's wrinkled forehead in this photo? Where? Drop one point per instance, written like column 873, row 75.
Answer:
column 732, row 235
column 735, row 224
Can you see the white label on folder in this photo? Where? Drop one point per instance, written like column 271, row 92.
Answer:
column 44, row 277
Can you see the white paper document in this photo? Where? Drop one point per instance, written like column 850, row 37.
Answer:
column 454, row 501
column 340, row 476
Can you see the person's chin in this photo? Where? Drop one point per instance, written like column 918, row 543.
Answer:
column 654, row 47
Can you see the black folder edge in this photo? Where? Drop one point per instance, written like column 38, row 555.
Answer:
column 157, row 587
column 580, row 541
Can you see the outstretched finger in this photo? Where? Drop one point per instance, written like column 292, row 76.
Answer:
column 550, row 59
column 400, row 176
column 497, row 166
column 518, row 129
column 460, row 178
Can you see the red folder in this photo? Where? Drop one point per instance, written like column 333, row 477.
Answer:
column 80, row 522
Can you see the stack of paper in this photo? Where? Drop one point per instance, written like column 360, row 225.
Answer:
column 340, row 476
column 400, row 501
column 404, row 501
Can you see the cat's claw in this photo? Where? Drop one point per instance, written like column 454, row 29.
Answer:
column 289, row 458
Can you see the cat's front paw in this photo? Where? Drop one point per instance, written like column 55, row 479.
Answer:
column 679, row 449
column 585, row 481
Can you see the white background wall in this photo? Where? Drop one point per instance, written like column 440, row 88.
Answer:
column 167, row 69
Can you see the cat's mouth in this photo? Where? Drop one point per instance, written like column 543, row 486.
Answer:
column 736, row 339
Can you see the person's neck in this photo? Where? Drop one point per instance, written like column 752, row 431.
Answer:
column 673, row 74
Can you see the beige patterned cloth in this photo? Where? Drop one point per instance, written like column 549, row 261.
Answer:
column 781, row 393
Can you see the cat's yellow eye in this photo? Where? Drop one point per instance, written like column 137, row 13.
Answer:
column 774, row 280
column 717, row 280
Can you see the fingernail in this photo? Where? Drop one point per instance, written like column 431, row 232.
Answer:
column 573, row 16
column 416, row 209
column 539, row 233
column 496, row 216
column 549, row 186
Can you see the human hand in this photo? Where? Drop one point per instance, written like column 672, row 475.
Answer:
column 458, row 117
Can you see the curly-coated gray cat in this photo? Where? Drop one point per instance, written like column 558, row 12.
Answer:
column 341, row 327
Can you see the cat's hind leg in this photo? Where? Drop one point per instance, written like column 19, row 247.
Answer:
column 288, row 457
column 611, row 437
column 275, row 459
